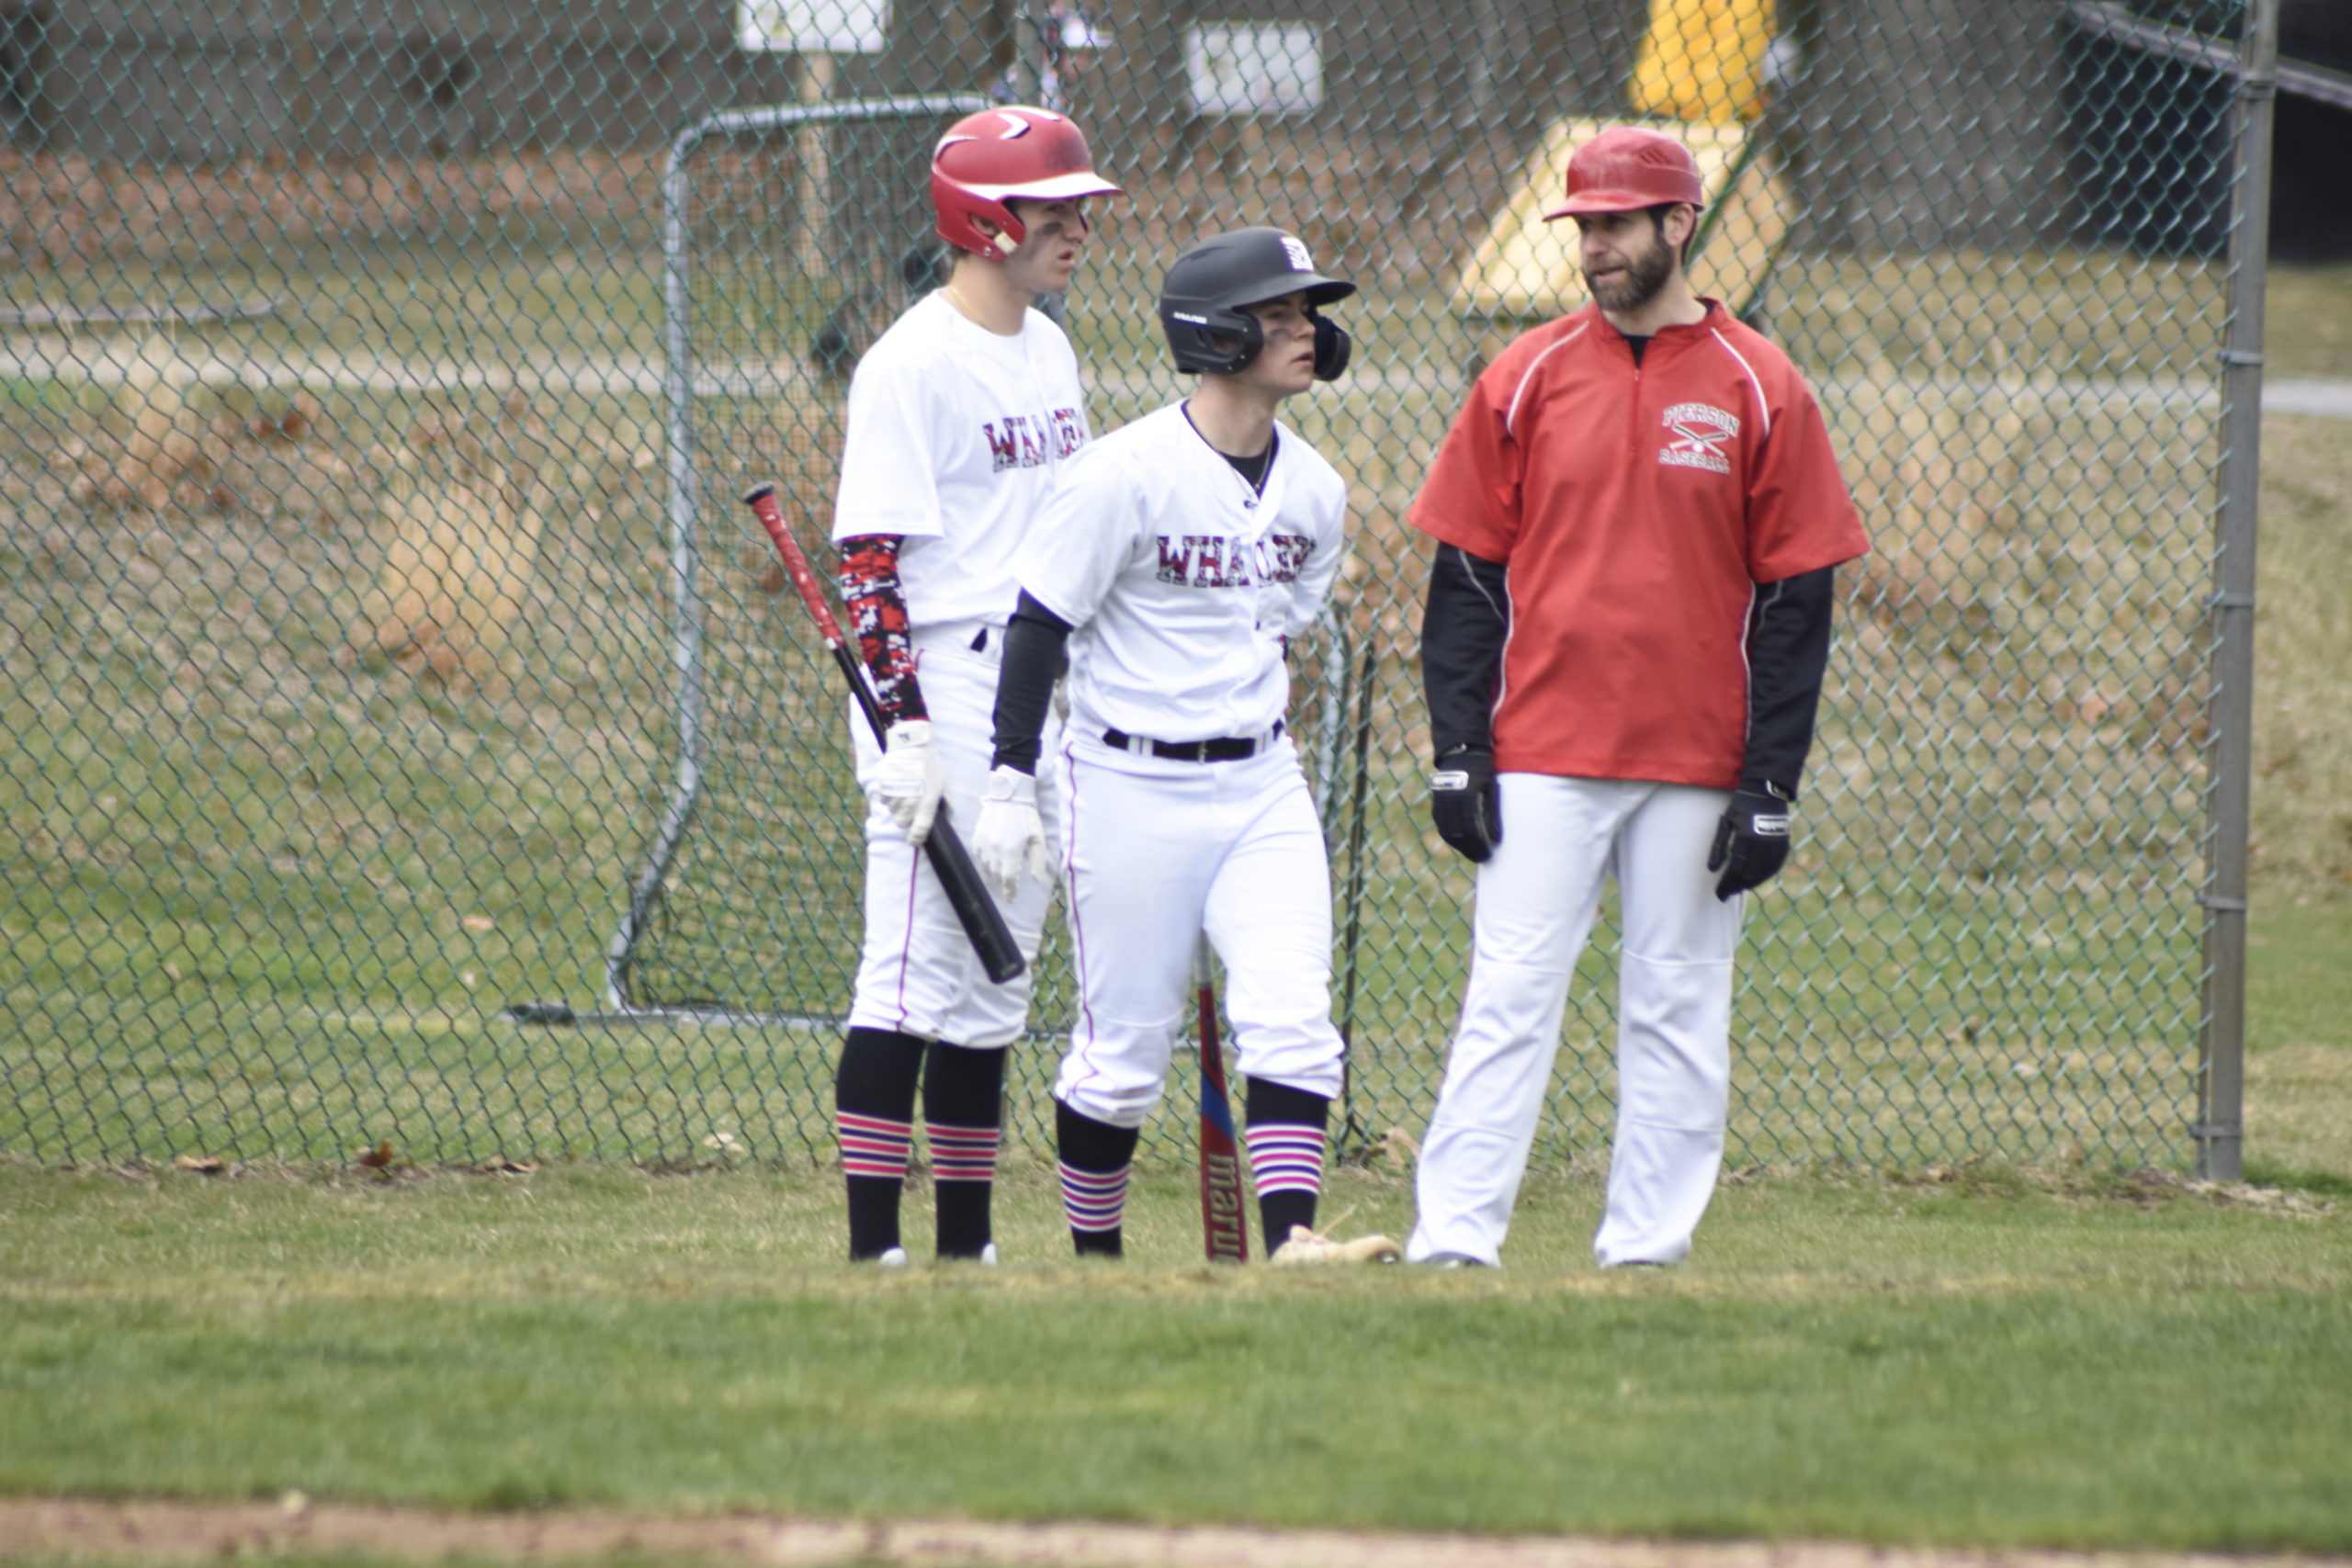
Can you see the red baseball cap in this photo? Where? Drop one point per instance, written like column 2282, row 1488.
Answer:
column 1628, row 168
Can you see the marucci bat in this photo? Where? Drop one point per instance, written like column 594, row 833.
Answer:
column 1225, row 1227
column 983, row 922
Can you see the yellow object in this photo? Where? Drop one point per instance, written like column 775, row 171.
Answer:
column 1702, row 61
column 457, row 568
column 1526, row 269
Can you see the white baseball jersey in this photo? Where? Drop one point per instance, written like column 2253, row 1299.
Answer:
column 955, row 438
column 1181, row 579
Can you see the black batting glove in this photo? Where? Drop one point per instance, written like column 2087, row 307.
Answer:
column 1465, row 803
column 1751, row 842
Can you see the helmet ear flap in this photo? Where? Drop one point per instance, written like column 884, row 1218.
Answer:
column 1332, row 346
column 1253, row 338
column 1011, row 232
column 1193, row 338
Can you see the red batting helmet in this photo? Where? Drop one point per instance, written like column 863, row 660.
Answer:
column 990, row 157
column 1627, row 169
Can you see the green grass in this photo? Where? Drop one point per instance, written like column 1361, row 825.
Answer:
column 2299, row 1037
column 2306, row 329
column 264, row 897
column 1995, row 1359
column 2302, row 750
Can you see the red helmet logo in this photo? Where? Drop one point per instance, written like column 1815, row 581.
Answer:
column 1627, row 169
column 997, row 155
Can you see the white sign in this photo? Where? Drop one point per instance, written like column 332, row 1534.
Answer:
column 1253, row 68
column 812, row 27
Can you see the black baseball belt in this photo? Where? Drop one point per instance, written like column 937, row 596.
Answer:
column 1224, row 748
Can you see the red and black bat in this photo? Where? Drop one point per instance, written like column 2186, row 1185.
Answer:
column 983, row 922
column 1225, row 1226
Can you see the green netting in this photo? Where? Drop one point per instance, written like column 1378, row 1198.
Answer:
column 385, row 645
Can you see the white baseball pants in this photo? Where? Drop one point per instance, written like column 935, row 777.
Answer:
column 1159, row 850
column 1536, row 901
column 918, row 974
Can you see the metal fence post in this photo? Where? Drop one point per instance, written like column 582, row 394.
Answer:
column 1027, row 45
column 2220, row 1133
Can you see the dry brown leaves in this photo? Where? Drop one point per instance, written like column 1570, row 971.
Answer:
column 159, row 445
column 464, row 536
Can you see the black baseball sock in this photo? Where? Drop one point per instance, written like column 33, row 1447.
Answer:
column 1285, row 1135
column 1095, row 1159
column 963, row 1109
column 873, row 1101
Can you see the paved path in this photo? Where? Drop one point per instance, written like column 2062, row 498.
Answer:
column 56, row 357
column 70, row 1530
column 2330, row 400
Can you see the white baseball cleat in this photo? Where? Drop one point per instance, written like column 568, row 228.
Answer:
column 1306, row 1247
column 988, row 1256
column 1453, row 1261
column 891, row 1257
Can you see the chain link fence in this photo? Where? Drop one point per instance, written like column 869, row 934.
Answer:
column 410, row 738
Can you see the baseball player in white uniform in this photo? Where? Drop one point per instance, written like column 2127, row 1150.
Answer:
column 962, row 418
column 1638, row 517
column 1173, row 561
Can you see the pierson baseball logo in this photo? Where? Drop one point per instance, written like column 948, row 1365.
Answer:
column 1219, row 560
column 1700, row 431
column 1025, row 441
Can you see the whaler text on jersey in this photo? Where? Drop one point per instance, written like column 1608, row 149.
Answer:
column 1025, row 441
column 1218, row 560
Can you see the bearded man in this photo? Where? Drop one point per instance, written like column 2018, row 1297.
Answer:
column 1638, row 519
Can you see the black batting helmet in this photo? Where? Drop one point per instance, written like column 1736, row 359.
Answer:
column 1201, row 300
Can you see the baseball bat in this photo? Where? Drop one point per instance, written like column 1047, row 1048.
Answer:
column 1225, row 1226
column 975, row 911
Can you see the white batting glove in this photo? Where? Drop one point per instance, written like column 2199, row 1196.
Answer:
column 1009, row 841
column 912, row 777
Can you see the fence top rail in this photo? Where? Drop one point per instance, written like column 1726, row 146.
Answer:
column 2109, row 19
column 783, row 116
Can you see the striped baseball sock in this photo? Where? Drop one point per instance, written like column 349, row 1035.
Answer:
column 1095, row 1160
column 962, row 1154
column 874, row 1152
column 962, row 1099
column 1096, row 1205
column 874, row 1098
column 963, row 1171
column 875, row 1146
column 1286, row 1138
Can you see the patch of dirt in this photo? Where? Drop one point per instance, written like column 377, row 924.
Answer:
column 68, row 1529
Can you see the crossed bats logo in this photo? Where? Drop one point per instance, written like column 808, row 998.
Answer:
column 1701, row 426
column 1700, row 431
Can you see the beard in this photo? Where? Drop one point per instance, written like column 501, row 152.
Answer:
column 1646, row 275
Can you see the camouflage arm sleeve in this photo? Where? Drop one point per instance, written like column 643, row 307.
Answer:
column 877, row 615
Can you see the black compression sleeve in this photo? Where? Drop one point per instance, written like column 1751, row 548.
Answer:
column 1464, row 627
column 1024, row 684
column 1788, row 651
